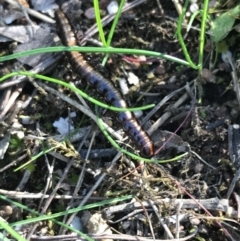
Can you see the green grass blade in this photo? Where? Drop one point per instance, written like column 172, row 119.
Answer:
column 34, row 158
column 75, row 89
column 180, row 38
column 113, row 27
column 11, row 231
column 47, row 217
column 95, row 50
column 114, row 24
column 99, row 22
column 139, row 158
column 202, row 34
column 70, row 211
column 194, row 15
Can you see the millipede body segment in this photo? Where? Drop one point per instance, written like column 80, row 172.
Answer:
column 105, row 87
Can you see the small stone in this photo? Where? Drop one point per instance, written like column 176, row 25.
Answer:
column 138, row 113
column 195, row 221
column 133, row 79
column 90, row 13
column 173, row 79
column 26, row 120
column 123, row 86
column 194, row 7
column 76, row 223
column 160, row 70
column 208, row 76
column 112, row 7
column 227, row 57
column 6, row 211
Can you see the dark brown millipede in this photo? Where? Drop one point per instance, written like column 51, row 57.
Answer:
column 104, row 87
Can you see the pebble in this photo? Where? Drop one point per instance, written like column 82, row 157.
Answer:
column 133, row 79
column 195, row 221
column 90, row 13
column 208, row 76
column 123, row 86
column 138, row 113
column 6, row 211
column 26, row 120
column 76, row 223
column 160, row 70
column 226, row 57
column 194, row 7
column 112, row 7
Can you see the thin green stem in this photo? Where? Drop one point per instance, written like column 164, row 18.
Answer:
column 139, row 158
column 194, row 15
column 10, row 230
column 202, row 34
column 75, row 89
column 180, row 38
column 111, row 32
column 57, row 215
column 73, row 210
column 43, row 152
column 99, row 22
column 114, row 24
column 94, row 50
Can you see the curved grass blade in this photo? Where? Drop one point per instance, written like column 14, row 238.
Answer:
column 181, row 41
column 73, row 210
column 139, row 158
column 111, row 32
column 95, row 50
column 75, row 89
column 51, row 216
column 99, row 22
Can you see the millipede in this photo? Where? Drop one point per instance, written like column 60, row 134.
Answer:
column 105, row 88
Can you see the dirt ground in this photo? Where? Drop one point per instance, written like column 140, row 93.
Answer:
column 198, row 119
